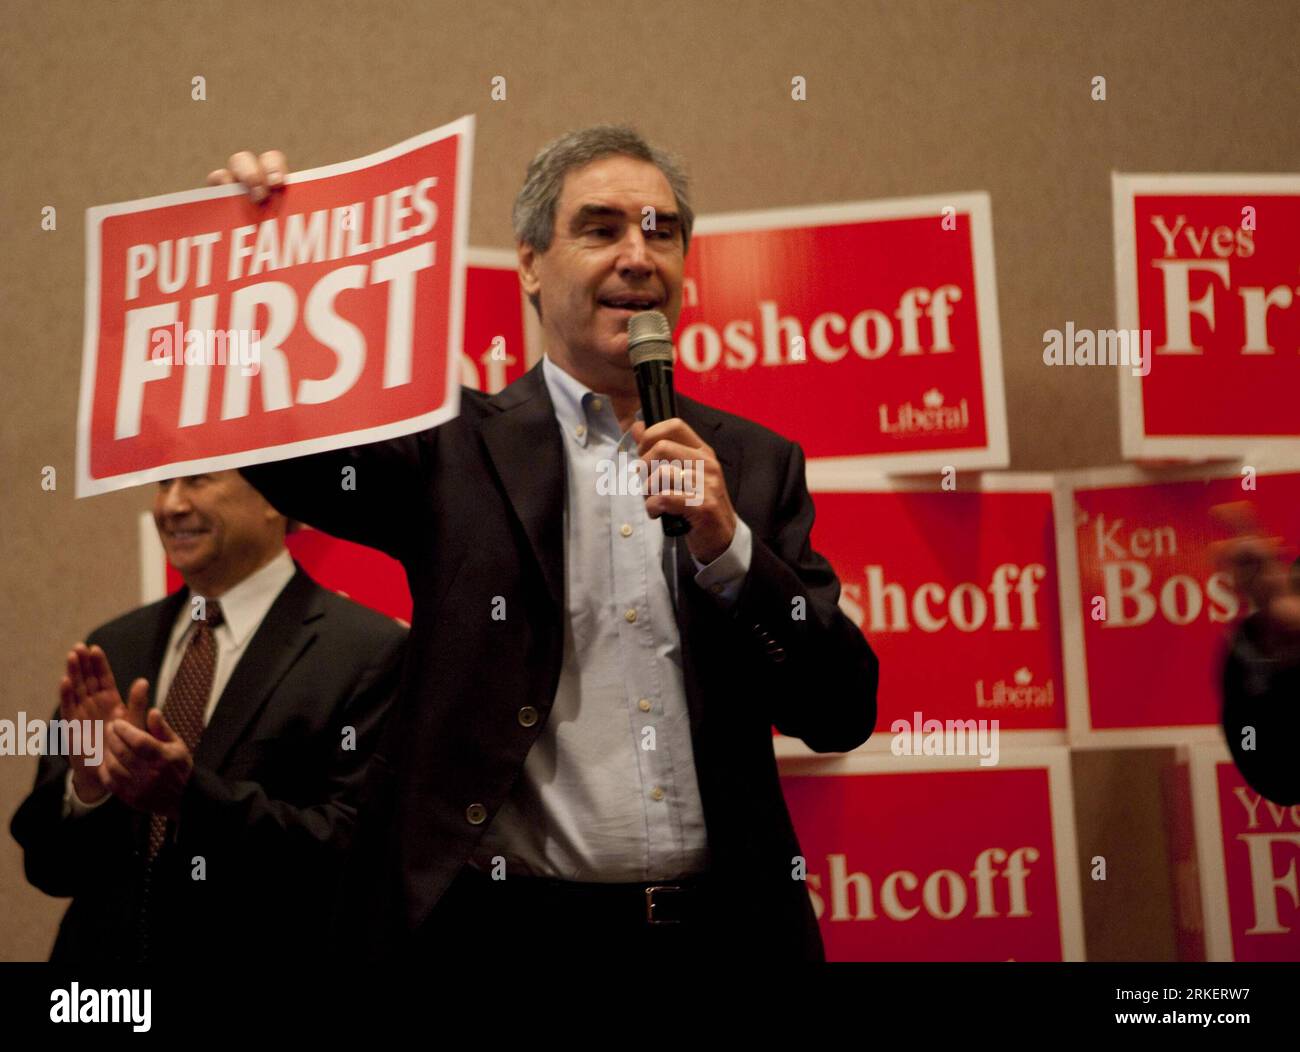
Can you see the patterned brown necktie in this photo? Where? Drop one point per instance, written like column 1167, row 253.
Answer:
column 188, row 696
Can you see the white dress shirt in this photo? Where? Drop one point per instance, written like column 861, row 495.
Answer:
column 609, row 790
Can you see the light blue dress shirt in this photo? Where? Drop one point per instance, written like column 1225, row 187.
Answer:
column 608, row 791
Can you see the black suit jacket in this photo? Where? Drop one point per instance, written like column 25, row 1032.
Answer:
column 270, row 807
column 1264, row 695
column 474, row 510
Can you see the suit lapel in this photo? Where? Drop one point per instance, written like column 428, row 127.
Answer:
column 523, row 441
column 729, row 456
column 168, row 611
column 282, row 637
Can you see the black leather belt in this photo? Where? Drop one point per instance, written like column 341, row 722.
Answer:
column 661, row 902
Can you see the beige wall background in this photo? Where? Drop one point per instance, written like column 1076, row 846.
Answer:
column 903, row 99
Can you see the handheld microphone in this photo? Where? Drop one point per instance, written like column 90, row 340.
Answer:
column 650, row 348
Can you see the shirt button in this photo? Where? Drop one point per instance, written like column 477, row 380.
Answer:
column 718, row 589
column 597, row 405
column 527, row 716
column 644, row 705
column 656, row 793
column 580, row 430
column 625, row 529
column 475, row 814
column 630, row 616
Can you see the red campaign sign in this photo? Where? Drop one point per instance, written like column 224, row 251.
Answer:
column 1249, row 849
column 497, row 349
column 365, row 575
column 496, row 354
column 971, row 576
column 949, row 865
column 1207, row 264
column 867, row 332
column 1147, row 611
column 221, row 333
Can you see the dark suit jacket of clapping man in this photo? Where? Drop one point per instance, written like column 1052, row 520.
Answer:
column 250, row 865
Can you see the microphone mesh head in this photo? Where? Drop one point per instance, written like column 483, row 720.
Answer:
column 649, row 338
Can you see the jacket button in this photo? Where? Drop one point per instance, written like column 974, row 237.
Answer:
column 476, row 814
column 527, row 716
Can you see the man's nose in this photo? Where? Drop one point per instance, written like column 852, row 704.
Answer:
column 634, row 256
column 175, row 498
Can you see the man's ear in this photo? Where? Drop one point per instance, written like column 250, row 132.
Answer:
column 528, row 268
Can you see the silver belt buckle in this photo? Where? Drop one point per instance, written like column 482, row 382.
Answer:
column 650, row 903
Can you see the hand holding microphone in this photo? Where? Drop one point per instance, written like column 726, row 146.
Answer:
column 701, row 510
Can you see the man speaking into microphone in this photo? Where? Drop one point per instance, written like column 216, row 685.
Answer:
column 580, row 762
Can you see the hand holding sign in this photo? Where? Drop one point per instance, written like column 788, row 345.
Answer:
column 259, row 173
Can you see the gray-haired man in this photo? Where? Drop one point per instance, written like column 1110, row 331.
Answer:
column 585, row 759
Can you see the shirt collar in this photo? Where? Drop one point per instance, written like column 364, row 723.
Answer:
column 578, row 409
column 245, row 605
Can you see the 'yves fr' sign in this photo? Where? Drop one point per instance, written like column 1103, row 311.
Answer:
column 1205, row 269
